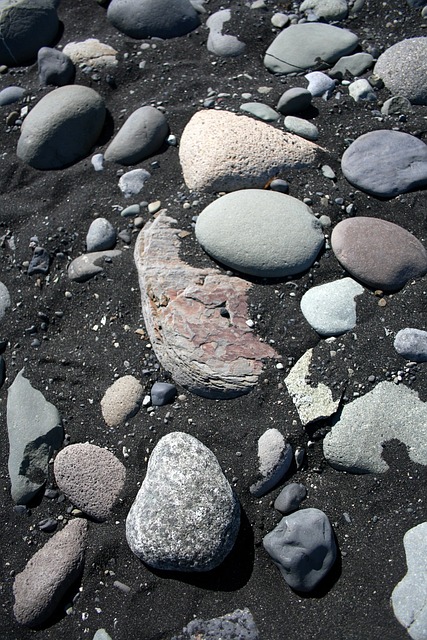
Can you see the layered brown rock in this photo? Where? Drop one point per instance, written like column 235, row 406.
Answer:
column 212, row 353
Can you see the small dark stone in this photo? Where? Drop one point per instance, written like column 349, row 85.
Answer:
column 48, row 525
column 162, row 393
column 51, row 493
column 2, row 371
column 21, row 510
column 40, row 262
column 3, row 346
column 224, row 312
column 290, row 498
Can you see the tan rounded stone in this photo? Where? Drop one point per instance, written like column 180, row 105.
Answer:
column 122, row 400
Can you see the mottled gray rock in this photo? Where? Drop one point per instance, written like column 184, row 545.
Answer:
column 35, row 432
column 331, row 308
column 122, row 400
column 361, row 90
column 62, row 127
column 300, row 46
column 385, row 163
column 409, row 597
column 214, row 354
column 260, row 232
column 222, row 151
column 412, row 344
column 403, row 69
column 379, row 253
column 312, row 403
column 89, row 265
column 260, row 110
column 91, row 477
column 301, row 127
column 153, row 18
column 92, row 53
column 353, row 65
column 4, row 300
column 185, row 516
column 9, row 95
column 142, row 135
column 396, row 105
column 55, row 68
column 290, row 498
column 328, row 10
column 274, row 457
column 294, row 100
column 25, row 26
column 101, row 634
column 238, row 625
column 162, row 393
column 319, row 84
column 303, row 547
column 221, row 44
column 101, row 235
column 48, row 575
column 132, row 182
column 387, row 412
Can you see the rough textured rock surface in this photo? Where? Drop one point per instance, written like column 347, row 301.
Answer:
column 52, row 570
column 238, row 625
column 215, row 356
column 328, row 10
column 387, row 412
column 62, row 127
column 303, row 547
column 379, row 253
column 274, row 457
column 35, row 432
column 222, row 151
column 312, row 403
column 91, row 477
column 409, row 597
column 92, row 53
column 153, row 18
column 122, row 400
column 185, row 516
column 403, row 67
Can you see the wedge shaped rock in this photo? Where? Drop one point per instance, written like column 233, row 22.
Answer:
column 88, row 265
column 196, row 318
column 275, row 457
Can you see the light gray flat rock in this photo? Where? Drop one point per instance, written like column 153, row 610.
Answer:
column 122, row 400
column 331, row 308
column 185, row 516
column 301, row 47
column 361, row 90
column 275, row 457
column 260, row 232
column 132, row 182
column 353, row 65
column 320, row 84
column 409, row 597
column 142, row 135
column 101, row 235
column 412, row 344
column 301, row 127
column 89, row 265
column 9, row 95
column 222, row 44
column 260, row 110
column 387, row 412
column 153, row 18
column 35, row 432
column 92, row 53
column 403, row 69
column 46, row 578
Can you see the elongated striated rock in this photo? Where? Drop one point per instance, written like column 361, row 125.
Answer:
column 196, row 318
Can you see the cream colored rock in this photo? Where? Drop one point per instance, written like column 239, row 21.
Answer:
column 92, row 53
column 122, row 400
column 222, row 151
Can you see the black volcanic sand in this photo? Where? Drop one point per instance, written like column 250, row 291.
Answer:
column 74, row 364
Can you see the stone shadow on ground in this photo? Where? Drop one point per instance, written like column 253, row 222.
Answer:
column 328, row 581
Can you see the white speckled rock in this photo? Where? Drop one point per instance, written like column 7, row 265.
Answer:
column 275, row 457
column 403, row 69
column 222, row 151
column 122, row 400
column 331, row 308
column 91, row 477
column 142, row 134
column 93, row 53
column 259, row 232
column 48, row 575
column 62, row 128
column 185, row 516
column 412, row 344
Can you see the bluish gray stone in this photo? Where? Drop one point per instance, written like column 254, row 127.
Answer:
column 403, row 69
column 319, row 84
column 279, row 185
column 274, row 457
column 331, row 308
column 328, row 10
column 385, row 163
column 142, row 135
column 412, row 344
column 132, row 182
column 153, row 18
column 238, row 625
column 185, row 516
column 294, row 100
column 4, row 300
column 303, row 547
column 301, row 127
column 221, row 44
column 40, row 262
column 409, row 597
column 290, row 498
column 35, row 432
column 260, row 232
column 9, row 95
column 55, row 68
column 101, row 235
column 25, row 26
column 260, row 110
column 62, row 127
column 387, row 412
column 353, row 65
column 300, row 46
column 88, row 265
column 361, row 90
column 162, row 393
